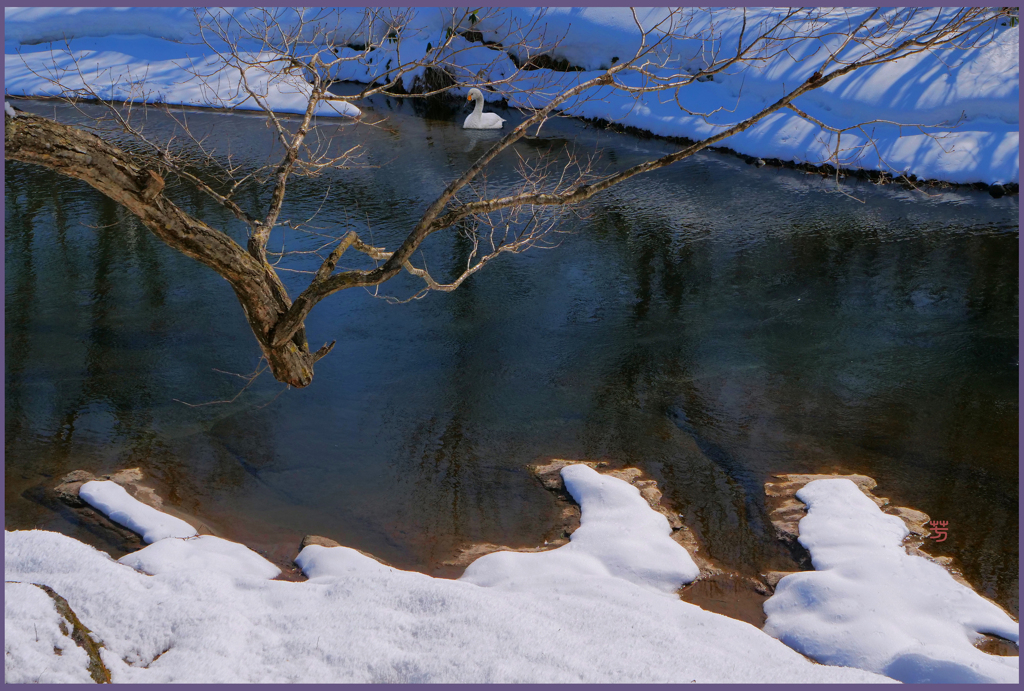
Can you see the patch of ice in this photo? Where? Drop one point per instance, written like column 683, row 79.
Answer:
column 9, row 110
column 869, row 604
column 114, row 502
column 200, row 554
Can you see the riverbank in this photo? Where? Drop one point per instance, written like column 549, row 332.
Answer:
column 548, row 610
column 933, row 118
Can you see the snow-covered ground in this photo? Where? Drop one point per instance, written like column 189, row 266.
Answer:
column 976, row 89
column 145, row 69
column 602, row 608
column 871, row 605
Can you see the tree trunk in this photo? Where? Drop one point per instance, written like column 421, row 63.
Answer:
column 78, row 154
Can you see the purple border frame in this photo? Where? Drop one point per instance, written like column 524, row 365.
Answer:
column 591, row 3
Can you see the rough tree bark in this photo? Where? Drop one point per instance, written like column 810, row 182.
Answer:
column 78, row 154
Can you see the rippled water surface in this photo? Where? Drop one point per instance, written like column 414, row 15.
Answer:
column 711, row 323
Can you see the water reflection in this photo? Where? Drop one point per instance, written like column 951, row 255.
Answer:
column 712, row 323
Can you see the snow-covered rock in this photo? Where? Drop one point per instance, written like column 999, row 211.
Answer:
column 34, row 632
column 869, row 604
column 200, row 553
column 600, row 609
column 114, row 501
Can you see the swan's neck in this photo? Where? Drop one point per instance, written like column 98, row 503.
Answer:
column 479, row 110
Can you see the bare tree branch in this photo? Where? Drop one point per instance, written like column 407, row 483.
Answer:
column 256, row 51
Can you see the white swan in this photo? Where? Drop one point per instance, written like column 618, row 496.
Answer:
column 478, row 119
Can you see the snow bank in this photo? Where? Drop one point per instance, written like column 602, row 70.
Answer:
column 115, row 502
column 32, row 635
column 981, row 85
column 599, row 609
column 144, row 70
column 202, row 553
column 30, row 25
column 869, row 604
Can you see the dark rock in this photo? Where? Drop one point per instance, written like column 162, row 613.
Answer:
column 67, row 490
column 997, row 191
column 317, row 540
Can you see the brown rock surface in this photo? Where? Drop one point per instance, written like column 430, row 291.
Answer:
column 772, row 578
column 993, row 645
column 67, row 490
column 317, row 540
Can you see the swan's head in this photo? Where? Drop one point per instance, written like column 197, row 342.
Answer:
column 475, row 95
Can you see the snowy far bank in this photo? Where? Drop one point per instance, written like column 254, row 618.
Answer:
column 977, row 90
column 602, row 608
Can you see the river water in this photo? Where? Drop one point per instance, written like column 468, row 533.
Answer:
column 712, row 323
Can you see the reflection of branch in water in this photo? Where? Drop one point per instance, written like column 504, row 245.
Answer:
column 261, row 367
column 276, row 396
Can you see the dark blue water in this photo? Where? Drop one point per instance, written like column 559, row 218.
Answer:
column 712, row 323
